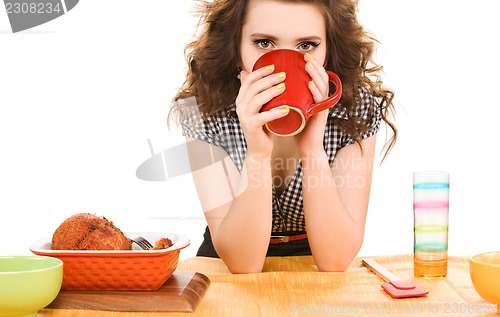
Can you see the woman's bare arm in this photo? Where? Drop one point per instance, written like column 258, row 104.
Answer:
column 336, row 202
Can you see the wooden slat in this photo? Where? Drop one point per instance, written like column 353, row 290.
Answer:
column 181, row 293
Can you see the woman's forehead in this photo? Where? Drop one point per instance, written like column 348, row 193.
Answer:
column 276, row 17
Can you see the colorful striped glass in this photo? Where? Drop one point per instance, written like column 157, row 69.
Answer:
column 430, row 211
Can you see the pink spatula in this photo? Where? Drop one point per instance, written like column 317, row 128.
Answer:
column 395, row 287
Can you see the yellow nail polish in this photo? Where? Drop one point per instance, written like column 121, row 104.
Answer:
column 313, row 84
column 309, row 55
column 310, row 65
column 269, row 67
column 280, row 85
column 285, row 110
column 280, row 75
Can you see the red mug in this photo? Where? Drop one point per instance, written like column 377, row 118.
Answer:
column 297, row 96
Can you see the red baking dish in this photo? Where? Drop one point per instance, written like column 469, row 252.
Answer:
column 135, row 269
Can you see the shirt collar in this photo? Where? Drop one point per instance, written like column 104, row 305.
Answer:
column 338, row 111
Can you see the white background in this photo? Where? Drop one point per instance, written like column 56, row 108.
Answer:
column 81, row 95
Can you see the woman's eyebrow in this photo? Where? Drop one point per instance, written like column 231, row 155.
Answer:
column 263, row 35
column 274, row 38
column 309, row 38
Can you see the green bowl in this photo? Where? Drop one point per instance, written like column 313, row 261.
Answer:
column 28, row 284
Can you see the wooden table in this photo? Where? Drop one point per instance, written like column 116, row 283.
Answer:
column 292, row 286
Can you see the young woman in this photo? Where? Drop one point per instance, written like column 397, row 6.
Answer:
column 301, row 195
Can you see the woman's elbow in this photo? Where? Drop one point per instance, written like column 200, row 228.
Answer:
column 243, row 264
column 334, row 266
column 338, row 263
column 245, row 268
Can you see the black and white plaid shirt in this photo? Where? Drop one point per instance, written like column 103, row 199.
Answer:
column 224, row 130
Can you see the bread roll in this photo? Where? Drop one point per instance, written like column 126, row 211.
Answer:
column 85, row 231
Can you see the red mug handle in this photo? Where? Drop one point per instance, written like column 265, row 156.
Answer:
column 330, row 101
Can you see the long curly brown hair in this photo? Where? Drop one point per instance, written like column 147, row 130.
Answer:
column 213, row 59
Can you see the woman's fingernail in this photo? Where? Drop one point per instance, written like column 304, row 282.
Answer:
column 280, row 75
column 310, row 65
column 313, row 84
column 268, row 67
column 285, row 110
column 309, row 55
column 280, row 85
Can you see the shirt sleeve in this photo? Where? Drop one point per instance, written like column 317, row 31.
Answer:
column 367, row 113
column 193, row 125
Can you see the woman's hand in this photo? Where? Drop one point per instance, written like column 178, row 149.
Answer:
column 257, row 88
column 311, row 138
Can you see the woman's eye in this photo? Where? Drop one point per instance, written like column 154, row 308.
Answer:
column 307, row 46
column 263, row 43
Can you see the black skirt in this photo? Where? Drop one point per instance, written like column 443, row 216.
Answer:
column 291, row 248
